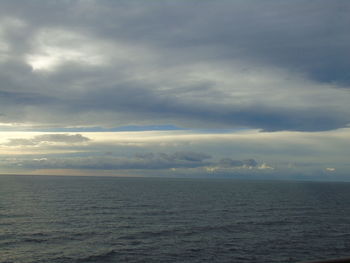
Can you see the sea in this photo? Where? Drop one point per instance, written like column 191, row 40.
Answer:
column 64, row 219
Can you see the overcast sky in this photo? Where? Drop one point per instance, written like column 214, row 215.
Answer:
column 240, row 88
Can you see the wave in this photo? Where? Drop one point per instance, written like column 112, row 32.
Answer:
column 34, row 240
column 98, row 258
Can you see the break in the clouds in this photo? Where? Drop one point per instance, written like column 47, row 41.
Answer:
column 198, row 70
column 271, row 65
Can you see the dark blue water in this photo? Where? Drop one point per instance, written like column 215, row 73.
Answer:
column 92, row 219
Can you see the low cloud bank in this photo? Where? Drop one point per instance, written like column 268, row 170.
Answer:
column 143, row 161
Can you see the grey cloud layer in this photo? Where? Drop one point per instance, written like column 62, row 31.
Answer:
column 270, row 65
column 184, row 152
column 142, row 161
column 48, row 138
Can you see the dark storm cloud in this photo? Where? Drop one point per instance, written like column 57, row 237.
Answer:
column 118, row 63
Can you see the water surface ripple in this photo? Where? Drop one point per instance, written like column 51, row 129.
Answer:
column 110, row 219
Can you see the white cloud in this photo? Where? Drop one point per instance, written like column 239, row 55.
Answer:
column 55, row 47
column 47, row 139
column 264, row 166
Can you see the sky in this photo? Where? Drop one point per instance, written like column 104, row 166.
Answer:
column 191, row 88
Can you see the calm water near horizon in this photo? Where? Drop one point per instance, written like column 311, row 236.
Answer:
column 112, row 219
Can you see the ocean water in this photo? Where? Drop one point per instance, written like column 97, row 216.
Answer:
column 110, row 219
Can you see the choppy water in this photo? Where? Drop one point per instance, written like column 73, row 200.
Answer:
column 91, row 219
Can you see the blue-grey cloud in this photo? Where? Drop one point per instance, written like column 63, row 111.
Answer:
column 269, row 65
column 228, row 162
column 141, row 161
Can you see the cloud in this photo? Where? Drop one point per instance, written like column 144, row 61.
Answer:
column 264, row 166
column 143, row 161
column 229, row 165
column 188, row 156
column 271, row 66
column 139, row 161
column 48, row 139
column 228, row 162
column 181, row 152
